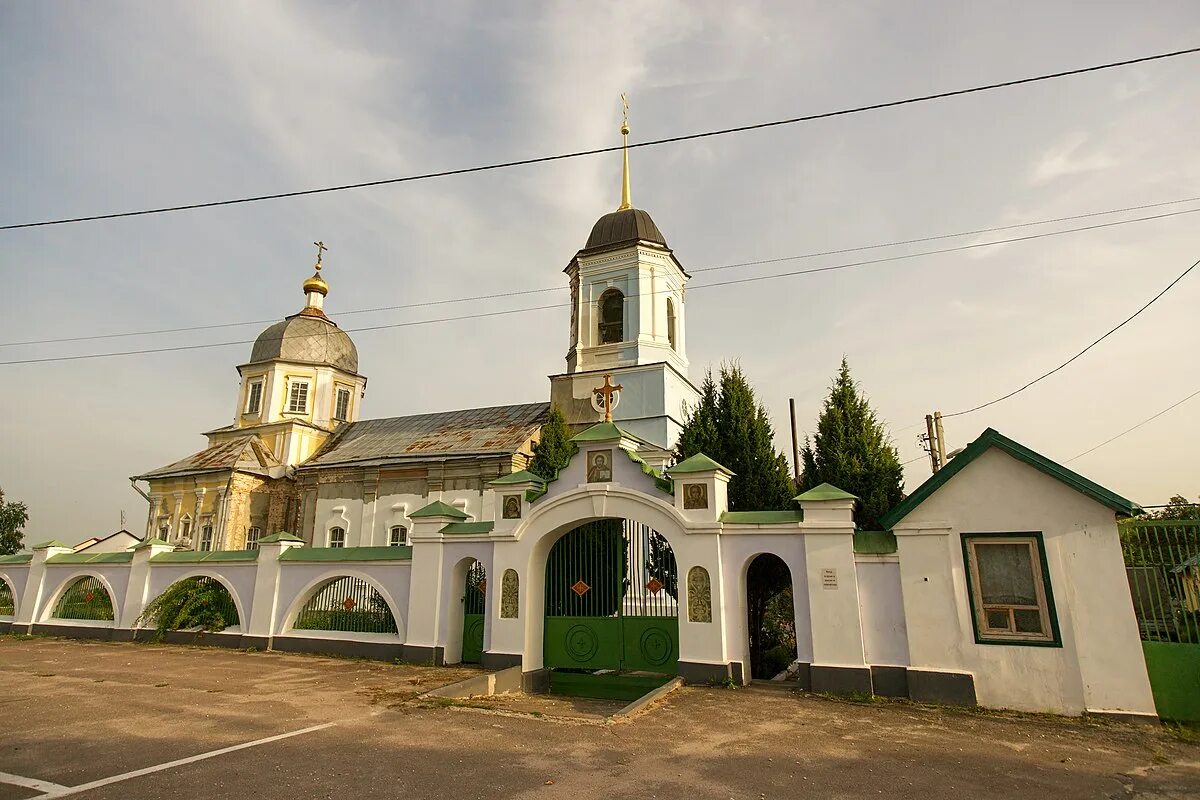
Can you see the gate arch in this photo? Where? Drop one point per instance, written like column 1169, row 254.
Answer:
column 201, row 576
column 554, row 517
column 323, row 583
column 8, row 598
column 84, row 596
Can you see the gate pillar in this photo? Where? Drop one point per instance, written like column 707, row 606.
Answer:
column 426, row 595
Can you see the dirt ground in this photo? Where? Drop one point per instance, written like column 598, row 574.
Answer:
column 106, row 720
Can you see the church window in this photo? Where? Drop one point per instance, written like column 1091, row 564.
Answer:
column 398, row 536
column 254, row 397
column 253, row 534
column 164, row 530
column 337, row 537
column 671, row 322
column 1009, row 586
column 206, row 538
column 612, row 317
column 185, row 528
column 341, row 410
column 297, row 397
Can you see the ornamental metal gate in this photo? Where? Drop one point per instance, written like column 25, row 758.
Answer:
column 473, row 600
column 611, row 599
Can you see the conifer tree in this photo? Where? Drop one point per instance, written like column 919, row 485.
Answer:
column 852, row 450
column 730, row 426
column 554, row 449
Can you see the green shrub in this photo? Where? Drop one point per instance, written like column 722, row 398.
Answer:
column 200, row 602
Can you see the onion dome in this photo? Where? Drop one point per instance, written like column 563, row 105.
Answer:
column 306, row 339
column 316, row 284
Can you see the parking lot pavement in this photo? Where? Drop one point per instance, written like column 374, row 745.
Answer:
column 77, row 714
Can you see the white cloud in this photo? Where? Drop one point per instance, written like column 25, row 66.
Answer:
column 1070, row 157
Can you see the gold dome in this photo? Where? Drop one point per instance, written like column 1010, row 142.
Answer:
column 316, row 284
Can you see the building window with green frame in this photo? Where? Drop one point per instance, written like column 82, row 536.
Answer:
column 1008, row 585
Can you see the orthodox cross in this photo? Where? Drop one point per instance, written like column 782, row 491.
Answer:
column 624, row 113
column 321, row 248
column 607, row 391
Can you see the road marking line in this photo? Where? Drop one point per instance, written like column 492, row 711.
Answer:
column 62, row 791
column 30, row 783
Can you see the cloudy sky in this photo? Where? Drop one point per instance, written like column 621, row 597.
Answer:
column 118, row 106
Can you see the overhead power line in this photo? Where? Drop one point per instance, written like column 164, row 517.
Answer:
column 760, row 262
column 753, row 279
column 614, row 148
column 1135, row 427
column 1111, row 331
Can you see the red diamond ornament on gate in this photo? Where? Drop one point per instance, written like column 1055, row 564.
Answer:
column 349, row 603
column 655, row 586
column 580, row 588
column 89, row 597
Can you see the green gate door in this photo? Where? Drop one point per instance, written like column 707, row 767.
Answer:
column 611, row 589
column 476, row 588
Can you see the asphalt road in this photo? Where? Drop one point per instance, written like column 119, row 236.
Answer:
column 74, row 714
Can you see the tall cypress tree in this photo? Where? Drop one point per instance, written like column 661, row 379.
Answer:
column 554, row 449
column 852, row 450
column 730, row 426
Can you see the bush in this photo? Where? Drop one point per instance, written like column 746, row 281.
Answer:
column 191, row 603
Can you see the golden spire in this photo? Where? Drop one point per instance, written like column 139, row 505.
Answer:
column 316, row 283
column 626, row 201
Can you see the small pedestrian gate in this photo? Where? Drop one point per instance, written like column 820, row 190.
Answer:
column 473, row 602
column 611, row 600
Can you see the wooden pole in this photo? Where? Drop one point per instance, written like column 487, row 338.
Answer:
column 941, row 436
column 933, row 445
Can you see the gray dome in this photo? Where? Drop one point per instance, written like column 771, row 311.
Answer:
column 309, row 339
column 620, row 227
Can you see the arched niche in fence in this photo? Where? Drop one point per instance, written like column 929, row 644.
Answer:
column 8, row 599
column 85, row 598
column 196, row 601
column 349, row 604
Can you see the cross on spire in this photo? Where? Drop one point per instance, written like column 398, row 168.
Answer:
column 607, row 391
column 321, row 248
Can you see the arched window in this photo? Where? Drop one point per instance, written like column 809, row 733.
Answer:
column 671, row 322
column 337, row 537
column 398, row 536
column 612, row 317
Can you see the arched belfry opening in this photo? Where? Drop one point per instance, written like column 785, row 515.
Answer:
column 611, row 609
column 612, row 317
column 770, row 616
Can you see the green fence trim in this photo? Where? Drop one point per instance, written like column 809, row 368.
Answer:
column 1174, row 671
column 19, row 558
column 401, row 553
column 90, row 558
column 761, row 517
column 469, row 527
column 196, row 556
column 876, row 543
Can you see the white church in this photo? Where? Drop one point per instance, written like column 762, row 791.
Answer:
column 998, row 582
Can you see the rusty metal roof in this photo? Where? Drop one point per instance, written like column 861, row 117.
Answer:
column 244, row 454
column 451, row 434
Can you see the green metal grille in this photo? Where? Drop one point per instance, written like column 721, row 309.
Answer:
column 8, row 604
column 476, row 588
column 1162, row 563
column 86, row 598
column 473, row 613
column 346, row 604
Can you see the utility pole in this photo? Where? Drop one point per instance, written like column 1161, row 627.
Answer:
column 931, row 440
column 795, row 447
column 941, row 438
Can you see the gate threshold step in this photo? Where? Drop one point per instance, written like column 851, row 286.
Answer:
column 605, row 686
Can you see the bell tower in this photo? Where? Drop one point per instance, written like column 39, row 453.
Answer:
column 628, row 319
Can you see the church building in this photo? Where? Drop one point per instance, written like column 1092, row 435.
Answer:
column 298, row 457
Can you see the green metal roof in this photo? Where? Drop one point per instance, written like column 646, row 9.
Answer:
column 993, row 438
column 90, row 558
column 282, row 536
column 523, row 476
column 601, row 432
column 469, row 527
column 51, row 543
column 698, row 463
column 197, row 556
column 152, row 542
column 761, row 517
column 402, row 553
column 18, row 558
column 438, row 509
column 824, row 491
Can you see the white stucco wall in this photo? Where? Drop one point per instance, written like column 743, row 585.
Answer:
column 237, row 576
column 1099, row 666
column 298, row 580
column 15, row 575
column 368, row 524
column 881, row 606
column 115, row 578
